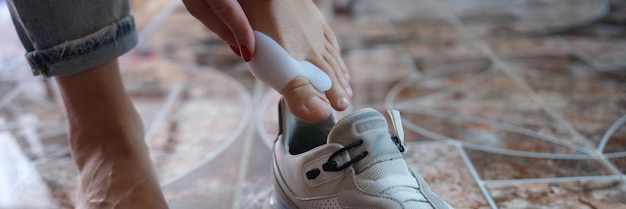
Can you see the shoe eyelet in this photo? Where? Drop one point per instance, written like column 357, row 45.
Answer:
column 312, row 174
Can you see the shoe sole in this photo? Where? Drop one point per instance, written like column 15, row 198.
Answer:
column 274, row 202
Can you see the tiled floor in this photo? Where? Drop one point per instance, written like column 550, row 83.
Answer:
column 505, row 105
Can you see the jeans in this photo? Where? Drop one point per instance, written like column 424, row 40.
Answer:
column 63, row 37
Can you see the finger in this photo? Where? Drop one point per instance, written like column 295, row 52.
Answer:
column 200, row 10
column 231, row 13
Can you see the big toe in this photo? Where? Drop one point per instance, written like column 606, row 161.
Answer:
column 305, row 102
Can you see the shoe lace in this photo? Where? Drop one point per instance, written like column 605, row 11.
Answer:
column 331, row 164
column 399, row 143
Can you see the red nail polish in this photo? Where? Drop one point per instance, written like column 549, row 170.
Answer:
column 245, row 53
column 235, row 50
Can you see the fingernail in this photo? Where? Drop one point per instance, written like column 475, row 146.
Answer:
column 245, row 53
column 347, row 75
column 315, row 104
column 349, row 91
column 343, row 102
column 235, row 50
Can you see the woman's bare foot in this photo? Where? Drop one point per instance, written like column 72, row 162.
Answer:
column 300, row 28
column 106, row 140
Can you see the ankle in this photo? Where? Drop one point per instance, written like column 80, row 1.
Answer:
column 107, row 146
column 116, row 172
column 119, row 183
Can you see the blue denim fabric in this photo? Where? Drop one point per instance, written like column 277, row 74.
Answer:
column 63, row 37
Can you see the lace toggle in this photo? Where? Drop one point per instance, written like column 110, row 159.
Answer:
column 331, row 164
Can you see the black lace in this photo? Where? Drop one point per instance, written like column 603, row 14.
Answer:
column 331, row 164
column 396, row 140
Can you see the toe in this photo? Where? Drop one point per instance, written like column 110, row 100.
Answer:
column 340, row 92
column 305, row 102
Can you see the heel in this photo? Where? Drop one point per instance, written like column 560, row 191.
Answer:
column 274, row 202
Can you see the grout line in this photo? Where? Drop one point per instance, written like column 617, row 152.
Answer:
column 487, row 51
column 597, row 152
column 551, row 180
column 467, row 83
column 8, row 97
column 164, row 111
column 576, row 51
column 607, row 135
column 20, row 170
column 615, row 154
column 507, row 70
column 612, row 168
column 430, row 142
column 49, row 123
column 247, row 146
column 502, row 126
column 260, row 124
column 415, row 128
column 395, row 89
column 406, row 57
column 479, row 182
column 146, row 33
column 472, row 40
column 408, row 60
column 238, row 132
column 43, row 102
column 415, row 73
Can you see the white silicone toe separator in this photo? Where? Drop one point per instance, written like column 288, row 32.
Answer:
column 275, row 67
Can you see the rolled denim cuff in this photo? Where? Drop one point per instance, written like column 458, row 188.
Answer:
column 87, row 52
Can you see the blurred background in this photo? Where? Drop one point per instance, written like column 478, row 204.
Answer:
column 506, row 103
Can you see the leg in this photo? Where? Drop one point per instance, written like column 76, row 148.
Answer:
column 106, row 140
column 79, row 42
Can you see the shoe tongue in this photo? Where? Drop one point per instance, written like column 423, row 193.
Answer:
column 371, row 127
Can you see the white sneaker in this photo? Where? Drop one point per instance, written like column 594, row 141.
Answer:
column 351, row 164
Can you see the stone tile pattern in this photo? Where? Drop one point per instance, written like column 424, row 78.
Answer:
column 506, row 105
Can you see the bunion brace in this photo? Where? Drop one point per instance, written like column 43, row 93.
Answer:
column 273, row 66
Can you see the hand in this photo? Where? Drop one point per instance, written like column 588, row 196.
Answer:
column 227, row 19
